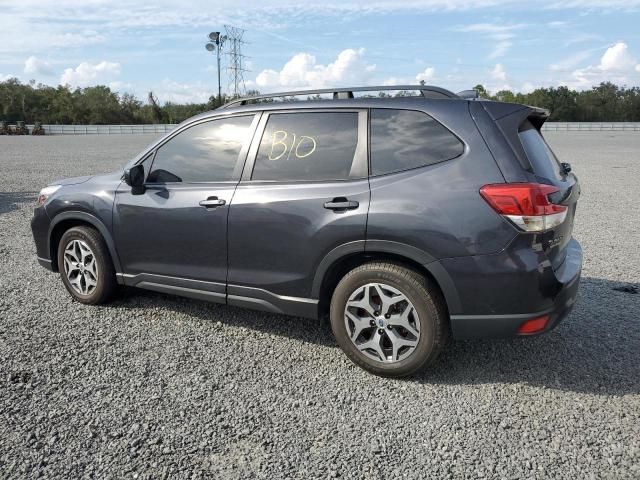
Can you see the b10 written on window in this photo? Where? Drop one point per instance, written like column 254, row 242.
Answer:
column 284, row 144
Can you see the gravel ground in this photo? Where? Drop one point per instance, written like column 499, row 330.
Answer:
column 154, row 386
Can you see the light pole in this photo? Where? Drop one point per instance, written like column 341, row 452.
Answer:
column 216, row 42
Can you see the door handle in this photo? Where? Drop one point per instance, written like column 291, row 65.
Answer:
column 341, row 204
column 212, row 202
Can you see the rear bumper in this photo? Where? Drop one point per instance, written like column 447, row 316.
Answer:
column 519, row 277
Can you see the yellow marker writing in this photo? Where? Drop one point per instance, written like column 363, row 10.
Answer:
column 278, row 142
column 312, row 140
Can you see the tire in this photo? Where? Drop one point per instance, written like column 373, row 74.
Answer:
column 86, row 245
column 427, row 326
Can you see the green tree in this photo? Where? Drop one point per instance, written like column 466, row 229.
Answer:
column 482, row 92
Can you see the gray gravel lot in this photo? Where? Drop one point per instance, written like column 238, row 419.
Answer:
column 154, row 386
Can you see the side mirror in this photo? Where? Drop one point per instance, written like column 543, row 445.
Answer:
column 134, row 177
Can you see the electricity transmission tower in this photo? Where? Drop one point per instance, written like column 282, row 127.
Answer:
column 236, row 60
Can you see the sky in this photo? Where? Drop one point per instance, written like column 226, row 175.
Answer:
column 138, row 46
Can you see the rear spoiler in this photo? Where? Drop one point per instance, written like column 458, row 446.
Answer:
column 537, row 116
column 509, row 117
column 519, row 113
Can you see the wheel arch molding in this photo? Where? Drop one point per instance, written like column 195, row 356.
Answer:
column 353, row 254
column 69, row 219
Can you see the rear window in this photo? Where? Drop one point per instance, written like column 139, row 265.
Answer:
column 405, row 139
column 307, row 147
column 541, row 157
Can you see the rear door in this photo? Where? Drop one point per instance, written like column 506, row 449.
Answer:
column 303, row 193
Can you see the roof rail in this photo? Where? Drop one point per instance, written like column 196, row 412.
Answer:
column 347, row 92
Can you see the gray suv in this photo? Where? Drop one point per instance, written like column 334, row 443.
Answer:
column 406, row 219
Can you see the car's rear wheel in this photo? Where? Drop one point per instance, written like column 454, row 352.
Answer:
column 85, row 266
column 388, row 319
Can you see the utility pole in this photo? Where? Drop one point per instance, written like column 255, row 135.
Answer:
column 236, row 59
column 216, row 42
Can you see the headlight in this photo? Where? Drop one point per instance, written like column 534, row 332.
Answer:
column 45, row 193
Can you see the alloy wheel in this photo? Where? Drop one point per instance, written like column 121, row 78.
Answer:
column 80, row 267
column 382, row 323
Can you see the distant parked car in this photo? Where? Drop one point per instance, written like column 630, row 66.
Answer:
column 406, row 219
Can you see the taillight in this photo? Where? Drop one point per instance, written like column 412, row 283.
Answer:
column 527, row 205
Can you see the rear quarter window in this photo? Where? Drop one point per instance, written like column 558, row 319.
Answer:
column 542, row 159
column 406, row 139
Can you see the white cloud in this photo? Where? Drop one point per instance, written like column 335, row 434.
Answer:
column 89, row 73
column 491, row 28
column 616, row 65
column 570, row 62
column 55, row 27
column 177, row 92
column 499, row 79
column 303, row 71
column 581, row 37
column 617, row 58
column 527, row 87
column 119, row 86
column 394, row 81
column 498, row 73
column 500, row 50
column 591, row 4
column 77, row 39
column 427, row 75
column 4, row 78
column 501, row 34
column 35, row 66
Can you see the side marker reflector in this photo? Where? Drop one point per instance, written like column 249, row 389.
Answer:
column 533, row 325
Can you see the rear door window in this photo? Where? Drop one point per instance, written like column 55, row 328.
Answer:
column 312, row 146
column 541, row 157
column 406, row 139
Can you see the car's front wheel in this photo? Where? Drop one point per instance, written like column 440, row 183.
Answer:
column 85, row 266
column 388, row 319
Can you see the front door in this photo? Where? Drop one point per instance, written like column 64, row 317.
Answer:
column 173, row 236
column 304, row 192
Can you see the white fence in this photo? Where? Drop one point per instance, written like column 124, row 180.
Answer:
column 164, row 128
column 103, row 129
column 591, row 127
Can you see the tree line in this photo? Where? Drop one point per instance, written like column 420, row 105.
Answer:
column 97, row 105
column 605, row 103
column 100, row 105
